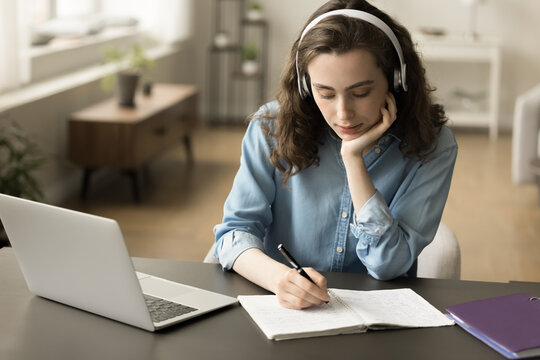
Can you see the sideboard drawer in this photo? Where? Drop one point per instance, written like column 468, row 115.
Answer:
column 153, row 136
column 165, row 129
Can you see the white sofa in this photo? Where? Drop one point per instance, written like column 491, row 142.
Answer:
column 526, row 135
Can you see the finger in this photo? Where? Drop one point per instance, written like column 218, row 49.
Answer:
column 307, row 290
column 291, row 301
column 320, row 281
column 297, row 298
column 388, row 118
column 392, row 106
column 295, row 291
column 385, row 122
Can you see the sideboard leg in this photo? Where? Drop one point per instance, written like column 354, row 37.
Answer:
column 87, row 174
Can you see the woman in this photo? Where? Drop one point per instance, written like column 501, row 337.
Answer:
column 350, row 168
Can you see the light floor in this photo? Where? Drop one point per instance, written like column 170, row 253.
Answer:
column 497, row 223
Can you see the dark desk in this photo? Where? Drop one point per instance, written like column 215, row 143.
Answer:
column 35, row 328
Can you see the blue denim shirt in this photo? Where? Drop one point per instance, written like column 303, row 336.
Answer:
column 313, row 216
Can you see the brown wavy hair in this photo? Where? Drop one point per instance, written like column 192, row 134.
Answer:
column 300, row 126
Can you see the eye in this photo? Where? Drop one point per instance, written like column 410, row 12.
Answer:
column 325, row 94
column 361, row 94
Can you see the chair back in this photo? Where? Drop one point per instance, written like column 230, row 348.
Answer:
column 210, row 258
column 441, row 259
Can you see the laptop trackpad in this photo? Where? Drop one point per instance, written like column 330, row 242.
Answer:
column 165, row 289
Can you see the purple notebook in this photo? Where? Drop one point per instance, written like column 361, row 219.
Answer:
column 509, row 324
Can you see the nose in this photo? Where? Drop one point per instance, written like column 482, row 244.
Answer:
column 345, row 110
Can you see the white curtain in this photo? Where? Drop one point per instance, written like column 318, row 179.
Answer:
column 14, row 62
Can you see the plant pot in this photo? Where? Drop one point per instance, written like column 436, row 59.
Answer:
column 222, row 40
column 254, row 14
column 250, row 67
column 127, row 84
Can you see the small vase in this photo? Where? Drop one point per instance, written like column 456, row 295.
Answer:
column 221, row 40
column 250, row 67
column 254, row 14
column 127, row 84
column 147, row 88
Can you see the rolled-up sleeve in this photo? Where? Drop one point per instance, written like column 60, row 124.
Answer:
column 234, row 243
column 372, row 221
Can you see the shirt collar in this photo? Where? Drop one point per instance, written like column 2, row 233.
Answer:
column 393, row 133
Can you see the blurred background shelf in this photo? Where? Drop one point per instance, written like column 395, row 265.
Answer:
column 467, row 74
column 239, row 33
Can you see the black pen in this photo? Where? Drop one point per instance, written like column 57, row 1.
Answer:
column 293, row 262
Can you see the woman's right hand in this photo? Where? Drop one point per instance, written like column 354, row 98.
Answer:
column 296, row 292
column 292, row 289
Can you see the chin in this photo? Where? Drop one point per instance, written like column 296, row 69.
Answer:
column 349, row 137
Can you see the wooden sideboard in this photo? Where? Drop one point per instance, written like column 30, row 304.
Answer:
column 107, row 135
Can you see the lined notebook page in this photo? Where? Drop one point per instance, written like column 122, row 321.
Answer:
column 273, row 319
column 396, row 307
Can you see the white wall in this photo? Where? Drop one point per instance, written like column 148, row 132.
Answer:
column 515, row 22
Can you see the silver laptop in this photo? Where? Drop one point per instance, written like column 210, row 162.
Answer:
column 81, row 260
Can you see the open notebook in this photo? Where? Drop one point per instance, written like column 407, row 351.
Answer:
column 349, row 311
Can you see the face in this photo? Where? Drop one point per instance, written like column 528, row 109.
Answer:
column 349, row 90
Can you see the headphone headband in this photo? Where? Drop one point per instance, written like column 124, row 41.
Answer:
column 367, row 17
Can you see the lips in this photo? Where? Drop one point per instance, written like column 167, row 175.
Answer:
column 349, row 130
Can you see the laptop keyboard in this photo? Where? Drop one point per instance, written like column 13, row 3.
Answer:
column 161, row 310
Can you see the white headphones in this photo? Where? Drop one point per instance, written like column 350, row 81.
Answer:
column 399, row 74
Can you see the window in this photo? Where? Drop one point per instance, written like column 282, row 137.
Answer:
column 43, row 10
column 68, row 8
column 170, row 19
column 40, row 11
column 68, row 35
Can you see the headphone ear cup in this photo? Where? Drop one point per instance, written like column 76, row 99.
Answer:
column 397, row 80
column 305, row 91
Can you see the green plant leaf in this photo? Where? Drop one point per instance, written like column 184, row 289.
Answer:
column 249, row 51
column 19, row 158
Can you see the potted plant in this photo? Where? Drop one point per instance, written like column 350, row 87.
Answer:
column 132, row 65
column 254, row 12
column 19, row 158
column 249, row 59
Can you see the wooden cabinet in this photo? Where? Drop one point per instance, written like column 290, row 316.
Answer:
column 106, row 135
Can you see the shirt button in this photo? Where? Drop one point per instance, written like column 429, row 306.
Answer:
column 387, row 138
column 344, row 214
column 377, row 150
column 339, row 249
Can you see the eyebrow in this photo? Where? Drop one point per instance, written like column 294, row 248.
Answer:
column 358, row 84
